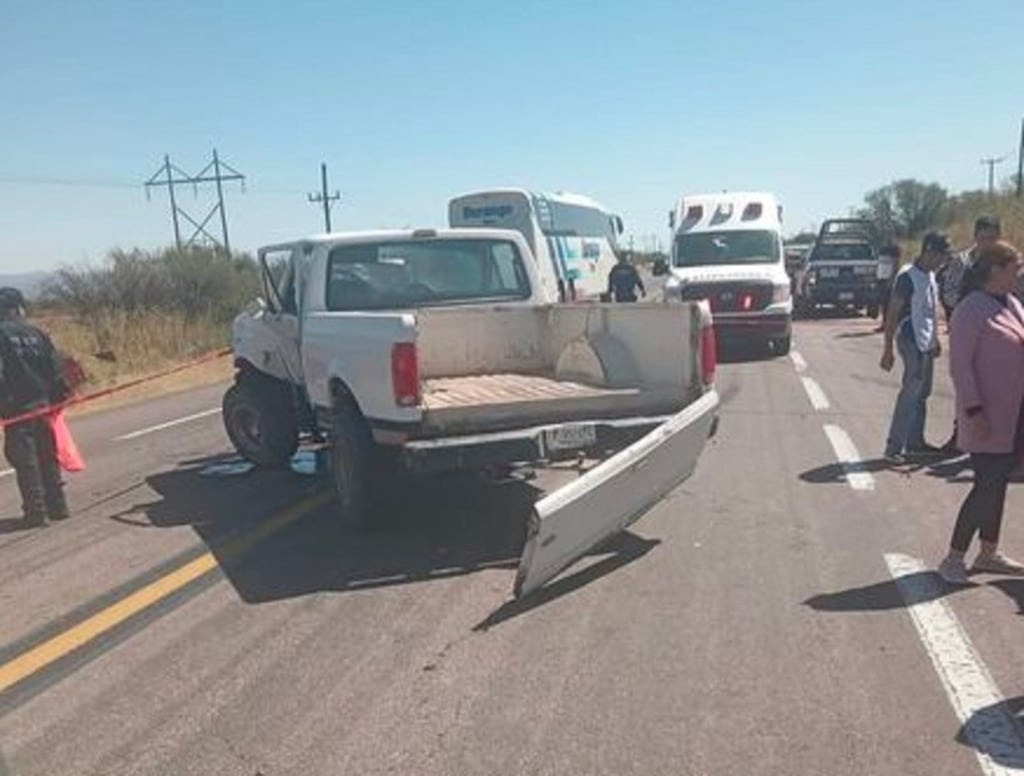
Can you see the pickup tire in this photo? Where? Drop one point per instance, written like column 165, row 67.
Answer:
column 260, row 422
column 872, row 311
column 352, row 468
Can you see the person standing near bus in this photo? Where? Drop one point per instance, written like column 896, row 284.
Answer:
column 624, row 280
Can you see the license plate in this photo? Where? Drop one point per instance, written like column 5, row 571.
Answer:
column 846, row 296
column 829, row 272
column 570, row 437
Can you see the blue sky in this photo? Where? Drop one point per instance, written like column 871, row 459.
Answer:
column 411, row 102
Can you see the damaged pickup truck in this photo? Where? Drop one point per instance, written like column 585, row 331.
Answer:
column 418, row 352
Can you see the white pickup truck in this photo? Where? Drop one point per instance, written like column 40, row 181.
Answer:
column 434, row 350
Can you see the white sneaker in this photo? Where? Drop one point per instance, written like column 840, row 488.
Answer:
column 997, row 563
column 953, row 571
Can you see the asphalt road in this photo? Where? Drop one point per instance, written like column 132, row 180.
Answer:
column 198, row 621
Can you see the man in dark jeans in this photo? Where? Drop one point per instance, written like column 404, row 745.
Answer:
column 911, row 324
column 623, row 280
column 31, row 378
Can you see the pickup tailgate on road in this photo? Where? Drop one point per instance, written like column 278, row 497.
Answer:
column 578, row 517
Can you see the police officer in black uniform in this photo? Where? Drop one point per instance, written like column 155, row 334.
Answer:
column 623, row 280
column 31, row 377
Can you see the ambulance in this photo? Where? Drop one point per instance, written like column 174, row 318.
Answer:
column 728, row 248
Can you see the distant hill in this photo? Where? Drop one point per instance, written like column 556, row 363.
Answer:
column 29, row 283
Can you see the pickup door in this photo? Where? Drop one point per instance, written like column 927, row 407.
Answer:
column 573, row 520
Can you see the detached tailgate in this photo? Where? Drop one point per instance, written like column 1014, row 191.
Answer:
column 568, row 523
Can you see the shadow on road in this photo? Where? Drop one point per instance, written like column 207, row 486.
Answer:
column 428, row 530
column 857, row 334
column 882, row 596
column 744, row 353
column 13, row 525
column 625, row 548
column 996, row 731
column 835, row 473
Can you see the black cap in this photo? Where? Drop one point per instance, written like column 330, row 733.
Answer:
column 935, row 241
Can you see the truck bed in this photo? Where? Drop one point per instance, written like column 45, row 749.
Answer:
column 496, row 401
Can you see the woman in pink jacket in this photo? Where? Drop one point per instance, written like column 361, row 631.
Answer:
column 986, row 345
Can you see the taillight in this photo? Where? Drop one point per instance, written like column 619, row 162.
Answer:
column 708, row 354
column 405, row 374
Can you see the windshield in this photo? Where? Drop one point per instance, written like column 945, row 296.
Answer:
column 841, row 252
column 380, row 276
column 753, row 246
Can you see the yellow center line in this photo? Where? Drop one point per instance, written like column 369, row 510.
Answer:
column 39, row 657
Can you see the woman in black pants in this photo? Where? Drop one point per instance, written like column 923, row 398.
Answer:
column 987, row 364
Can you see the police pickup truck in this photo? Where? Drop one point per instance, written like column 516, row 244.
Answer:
column 841, row 269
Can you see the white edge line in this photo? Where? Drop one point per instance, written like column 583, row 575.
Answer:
column 988, row 726
column 798, row 360
column 814, row 392
column 168, row 424
column 847, row 454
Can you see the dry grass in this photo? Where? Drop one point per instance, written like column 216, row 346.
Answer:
column 115, row 347
column 961, row 226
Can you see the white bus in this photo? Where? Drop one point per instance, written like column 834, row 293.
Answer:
column 577, row 236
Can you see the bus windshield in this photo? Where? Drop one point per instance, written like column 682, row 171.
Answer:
column 754, row 246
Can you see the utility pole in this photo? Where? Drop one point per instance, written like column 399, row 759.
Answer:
column 170, row 175
column 324, row 198
column 1020, row 162
column 992, row 161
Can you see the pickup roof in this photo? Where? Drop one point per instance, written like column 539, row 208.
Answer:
column 426, row 351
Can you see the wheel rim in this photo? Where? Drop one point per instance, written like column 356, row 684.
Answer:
column 246, row 422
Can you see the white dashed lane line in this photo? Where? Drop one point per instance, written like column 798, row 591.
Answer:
column 168, row 424
column 814, row 392
column 988, row 724
column 849, row 457
column 798, row 361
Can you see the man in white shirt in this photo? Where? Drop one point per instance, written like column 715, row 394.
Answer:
column 912, row 324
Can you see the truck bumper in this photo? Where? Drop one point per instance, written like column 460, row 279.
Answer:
column 753, row 326
column 854, row 296
column 593, row 438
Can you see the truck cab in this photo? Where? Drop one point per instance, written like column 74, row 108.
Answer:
column 728, row 249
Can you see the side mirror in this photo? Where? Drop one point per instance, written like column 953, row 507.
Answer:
column 618, row 224
column 660, row 268
column 672, row 219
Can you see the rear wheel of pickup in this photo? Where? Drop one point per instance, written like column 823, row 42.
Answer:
column 260, row 422
column 353, row 468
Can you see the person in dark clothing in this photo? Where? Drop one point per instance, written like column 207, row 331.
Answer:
column 623, row 281
column 31, row 378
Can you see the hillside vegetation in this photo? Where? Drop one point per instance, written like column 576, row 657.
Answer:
column 138, row 312
column 904, row 210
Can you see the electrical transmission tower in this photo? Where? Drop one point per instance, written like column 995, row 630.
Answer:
column 217, row 172
column 324, row 198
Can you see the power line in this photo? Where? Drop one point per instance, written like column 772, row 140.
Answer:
column 170, row 175
column 49, row 180
column 323, row 198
